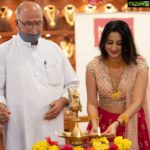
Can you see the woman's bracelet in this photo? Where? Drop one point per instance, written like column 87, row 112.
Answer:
column 125, row 118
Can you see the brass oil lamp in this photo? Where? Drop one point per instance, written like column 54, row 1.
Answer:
column 76, row 136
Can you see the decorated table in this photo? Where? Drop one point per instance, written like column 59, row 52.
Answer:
column 81, row 140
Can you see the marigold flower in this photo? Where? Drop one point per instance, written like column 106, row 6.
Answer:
column 123, row 144
column 78, row 148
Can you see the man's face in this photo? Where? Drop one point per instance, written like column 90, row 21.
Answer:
column 30, row 22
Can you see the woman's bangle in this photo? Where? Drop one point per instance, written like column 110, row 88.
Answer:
column 125, row 118
column 91, row 117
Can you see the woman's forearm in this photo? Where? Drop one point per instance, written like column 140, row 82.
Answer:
column 93, row 114
column 129, row 112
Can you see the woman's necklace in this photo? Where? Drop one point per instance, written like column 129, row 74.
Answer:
column 116, row 92
column 116, row 65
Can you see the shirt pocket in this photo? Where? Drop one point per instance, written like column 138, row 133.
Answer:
column 48, row 73
column 53, row 73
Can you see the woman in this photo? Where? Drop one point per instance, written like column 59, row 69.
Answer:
column 116, row 83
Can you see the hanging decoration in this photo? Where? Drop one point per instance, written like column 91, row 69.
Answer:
column 108, row 7
column 50, row 14
column 5, row 15
column 90, row 8
column 68, row 47
column 69, row 14
column 5, row 12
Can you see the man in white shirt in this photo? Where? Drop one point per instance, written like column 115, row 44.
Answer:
column 34, row 77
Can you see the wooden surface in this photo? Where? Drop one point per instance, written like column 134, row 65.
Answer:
column 1, row 142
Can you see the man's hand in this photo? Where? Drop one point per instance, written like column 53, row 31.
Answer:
column 55, row 108
column 4, row 114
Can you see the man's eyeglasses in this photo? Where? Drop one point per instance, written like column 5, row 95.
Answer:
column 29, row 25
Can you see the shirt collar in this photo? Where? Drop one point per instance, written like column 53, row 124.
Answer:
column 28, row 44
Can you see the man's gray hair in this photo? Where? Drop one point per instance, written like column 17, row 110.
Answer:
column 18, row 11
column 20, row 8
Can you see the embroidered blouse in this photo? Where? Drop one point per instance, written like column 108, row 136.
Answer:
column 103, row 81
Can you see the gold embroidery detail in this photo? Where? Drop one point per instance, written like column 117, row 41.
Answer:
column 116, row 93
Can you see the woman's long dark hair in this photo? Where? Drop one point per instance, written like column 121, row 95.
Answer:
column 129, row 51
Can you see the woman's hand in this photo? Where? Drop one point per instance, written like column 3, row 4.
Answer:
column 94, row 129
column 111, row 130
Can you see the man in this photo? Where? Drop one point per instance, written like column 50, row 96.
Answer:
column 34, row 78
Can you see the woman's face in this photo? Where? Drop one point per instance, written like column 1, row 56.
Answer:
column 113, row 45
